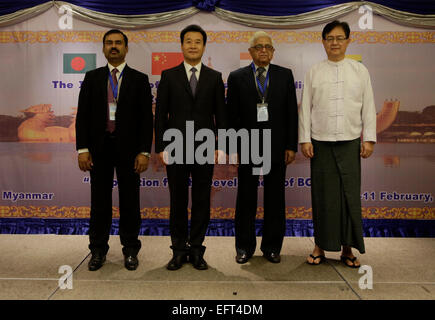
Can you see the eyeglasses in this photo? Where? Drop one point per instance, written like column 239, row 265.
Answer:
column 260, row 47
column 338, row 38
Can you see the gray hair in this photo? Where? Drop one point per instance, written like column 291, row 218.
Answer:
column 259, row 34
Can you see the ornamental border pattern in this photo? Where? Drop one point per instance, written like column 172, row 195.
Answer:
column 289, row 37
column 425, row 213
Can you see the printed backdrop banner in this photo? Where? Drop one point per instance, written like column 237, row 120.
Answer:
column 42, row 69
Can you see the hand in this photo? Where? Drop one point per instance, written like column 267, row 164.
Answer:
column 163, row 156
column 307, row 149
column 234, row 159
column 290, row 156
column 220, row 157
column 85, row 161
column 367, row 149
column 141, row 163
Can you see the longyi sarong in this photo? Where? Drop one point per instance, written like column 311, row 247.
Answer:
column 336, row 195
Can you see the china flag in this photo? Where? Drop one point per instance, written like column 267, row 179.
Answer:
column 165, row 60
column 79, row 62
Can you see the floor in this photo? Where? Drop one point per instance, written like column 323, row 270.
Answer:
column 31, row 266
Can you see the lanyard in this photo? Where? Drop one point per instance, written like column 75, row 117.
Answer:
column 112, row 85
column 261, row 88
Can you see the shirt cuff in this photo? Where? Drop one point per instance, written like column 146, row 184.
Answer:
column 146, row 154
column 83, row 150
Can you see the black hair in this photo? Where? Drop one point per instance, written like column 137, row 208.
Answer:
column 116, row 31
column 328, row 28
column 193, row 28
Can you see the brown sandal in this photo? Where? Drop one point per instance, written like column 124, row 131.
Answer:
column 322, row 258
column 344, row 259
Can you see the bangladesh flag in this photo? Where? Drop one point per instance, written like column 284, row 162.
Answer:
column 79, row 62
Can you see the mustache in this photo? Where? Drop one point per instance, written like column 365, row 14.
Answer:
column 114, row 49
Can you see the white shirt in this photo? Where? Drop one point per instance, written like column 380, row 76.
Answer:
column 120, row 68
column 337, row 103
column 189, row 73
column 266, row 69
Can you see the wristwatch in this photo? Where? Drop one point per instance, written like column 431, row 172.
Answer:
column 146, row 154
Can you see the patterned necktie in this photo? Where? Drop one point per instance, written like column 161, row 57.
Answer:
column 260, row 76
column 193, row 81
column 111, row 98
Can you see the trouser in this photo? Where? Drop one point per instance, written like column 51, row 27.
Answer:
column 178, row 180
column 274, row 209
column 102, row 173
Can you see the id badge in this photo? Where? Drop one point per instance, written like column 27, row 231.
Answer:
column 112, row 111
column 262, row 114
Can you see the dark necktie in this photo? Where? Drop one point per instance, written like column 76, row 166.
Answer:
column 193, row 81
column 260, row 76
column 111, row 98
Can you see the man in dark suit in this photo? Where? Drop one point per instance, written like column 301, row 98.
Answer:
column 114, row 129
column 189, row 92
column 262, row 96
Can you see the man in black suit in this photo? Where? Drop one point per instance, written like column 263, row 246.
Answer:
column 262, row 96
column 114, row 129
column 189, row 92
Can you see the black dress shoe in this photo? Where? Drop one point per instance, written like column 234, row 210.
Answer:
column 96, row 262
column 242, row 257
column 198, row 262
column 272, row 257
column 131, row 262
column 176, row 262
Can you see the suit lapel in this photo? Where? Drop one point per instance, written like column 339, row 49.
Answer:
column 182, row 76
column 125, row 82
column 249, row 78
column 203, row 77
column 103, row 79
column 272, row 78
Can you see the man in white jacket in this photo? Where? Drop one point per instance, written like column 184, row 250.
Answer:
column 337, row 111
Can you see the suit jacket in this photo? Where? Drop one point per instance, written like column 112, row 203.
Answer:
column 242, row 99
column 176, row 104
column 134, row 118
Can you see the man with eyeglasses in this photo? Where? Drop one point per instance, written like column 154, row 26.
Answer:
column 262, row 96
column 337, row 111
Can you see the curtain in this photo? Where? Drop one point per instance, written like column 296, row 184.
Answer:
column 254, row 13
column 217, row 227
